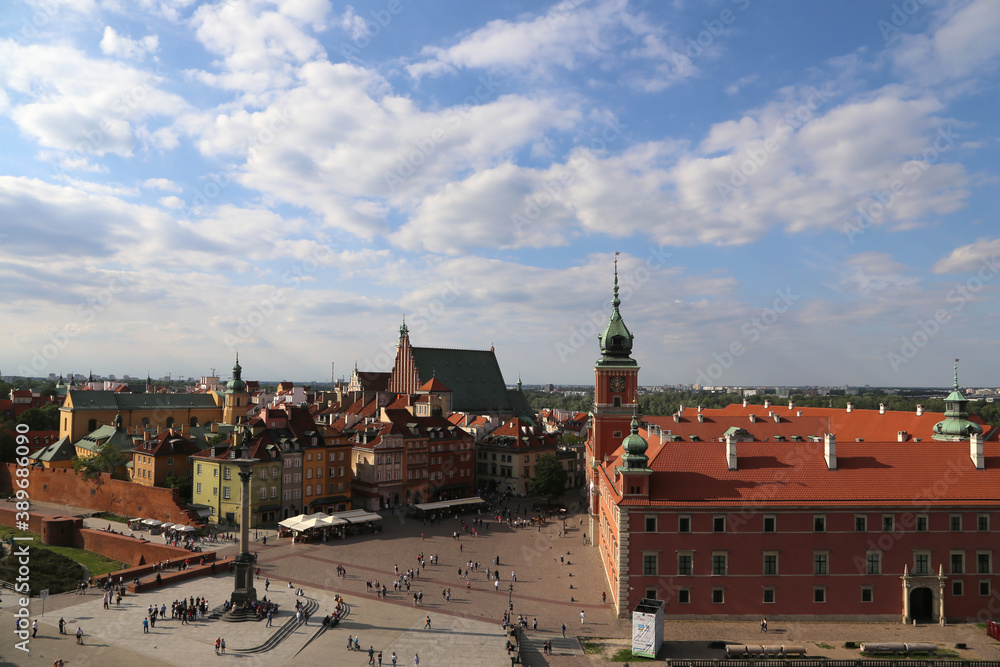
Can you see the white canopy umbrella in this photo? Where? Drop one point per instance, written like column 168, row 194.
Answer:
column 186, row 529
column 167, row 525
column 152, row 522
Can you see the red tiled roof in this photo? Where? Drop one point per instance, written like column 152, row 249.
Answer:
column 433, row 385
column 776, row 473
column 715, row 425
column 867, row 424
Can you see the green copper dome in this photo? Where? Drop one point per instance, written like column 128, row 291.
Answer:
column 236, row 385
column 635, row 447
column 956, row 423
column 616, row 340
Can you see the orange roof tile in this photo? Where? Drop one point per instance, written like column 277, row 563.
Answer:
column 770, row 474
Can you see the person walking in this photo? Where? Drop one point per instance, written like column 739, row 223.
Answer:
column 393, row 659
column 218, row 641
column 371, row 655
column 62, row 626
column 145, row 625
column 581, row 617
column 763, row 625
column 563, row 628
column 427, row 622
column 79, row 635
column 34, row 628
column 416, row 660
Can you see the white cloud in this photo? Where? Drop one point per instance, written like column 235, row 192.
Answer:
column 67, row 101
column 120, row 46
column 565, row 36
column 974, row 256
column 260, row 41
column 962, row 44
column 171, row 202
column 164, row 184
column 876, row 274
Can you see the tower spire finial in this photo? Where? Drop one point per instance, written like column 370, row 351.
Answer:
column 616, row 301
column 956, row 374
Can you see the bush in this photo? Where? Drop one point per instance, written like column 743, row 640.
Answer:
column 48, row 570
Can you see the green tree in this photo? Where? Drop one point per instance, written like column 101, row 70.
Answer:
column 550, row 478
column 184, row 485
column 107, row 459
column 45, row 418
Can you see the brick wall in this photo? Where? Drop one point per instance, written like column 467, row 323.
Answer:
column 103, row 494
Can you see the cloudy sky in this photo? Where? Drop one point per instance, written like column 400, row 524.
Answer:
column 801, row 193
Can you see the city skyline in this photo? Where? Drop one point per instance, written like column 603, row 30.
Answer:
column 799, row 195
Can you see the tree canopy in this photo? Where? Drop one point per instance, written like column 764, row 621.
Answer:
column 107, row 459
column 550, row 478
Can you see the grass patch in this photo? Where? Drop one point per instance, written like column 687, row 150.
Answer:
column 822, row 645
column 625, row 654
column 96, row 563
column 981, row 626
column 111, row 516
column 592, row 647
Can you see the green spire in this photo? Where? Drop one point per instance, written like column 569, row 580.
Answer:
column 403, row 331
column 956, row 424
column 236, row 385
column 635, row 447
column 616, row 340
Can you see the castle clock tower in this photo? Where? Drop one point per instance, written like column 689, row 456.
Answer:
column 616, row 393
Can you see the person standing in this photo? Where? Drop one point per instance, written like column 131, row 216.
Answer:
column 218, row 641
column 581, row 617
column 563, row 628
column 416, row 660
column 34, row 628
column 393, row 659
column 145, row 625
column 62, row 626
column 222, row 646
column 380, row 659
column 79, row 635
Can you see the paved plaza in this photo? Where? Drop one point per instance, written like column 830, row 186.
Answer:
column 557, row 577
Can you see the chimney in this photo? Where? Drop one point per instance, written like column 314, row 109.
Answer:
column 730, row 452
column 767, row 403
column 830, row 450
column 920, row 410
column 663, row 436
column 902, row 436
column 700, row 408
column 677, row 418
column 798, row 413
column 791, row 405
column 850, row 406
column 976, row 450
column 680, row 409
column 753, row 419
column 745, row 402
column 881, row 408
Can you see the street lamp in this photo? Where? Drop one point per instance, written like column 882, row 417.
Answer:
column 510, row 595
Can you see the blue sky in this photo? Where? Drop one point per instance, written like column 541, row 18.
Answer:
column 801, row 193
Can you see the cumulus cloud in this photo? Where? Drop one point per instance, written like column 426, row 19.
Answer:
column 564, row 36
column 70, row 102
column 982, row 253
column 121, row 46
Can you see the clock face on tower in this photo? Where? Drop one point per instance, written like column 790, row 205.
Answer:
column 617, row 383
